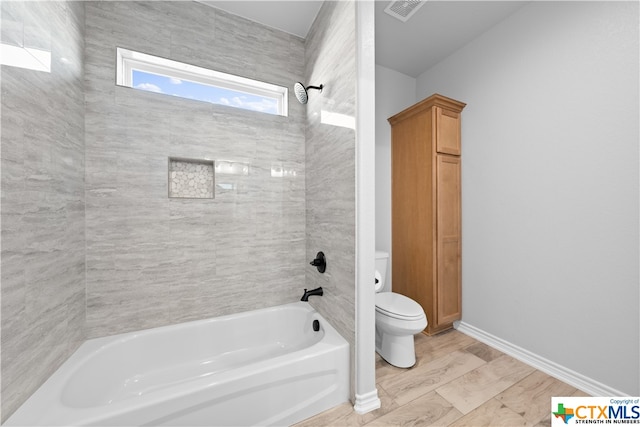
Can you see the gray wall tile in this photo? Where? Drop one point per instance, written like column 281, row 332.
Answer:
column 152, row 260
column 42, row 155
column 330, row 165
column 84, row 181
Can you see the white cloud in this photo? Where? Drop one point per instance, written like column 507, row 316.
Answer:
column 149, row 87
column 175, row 81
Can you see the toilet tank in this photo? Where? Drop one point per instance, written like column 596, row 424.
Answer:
column 382, row 260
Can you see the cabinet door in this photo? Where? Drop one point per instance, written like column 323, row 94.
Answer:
column 448, row 239
column 447, row 131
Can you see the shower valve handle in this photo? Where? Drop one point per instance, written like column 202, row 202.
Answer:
column 320, row 262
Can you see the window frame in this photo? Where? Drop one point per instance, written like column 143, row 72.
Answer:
column 129, row 60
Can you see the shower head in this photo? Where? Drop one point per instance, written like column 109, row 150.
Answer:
column 301, row 91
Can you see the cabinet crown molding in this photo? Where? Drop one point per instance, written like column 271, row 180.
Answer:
column 436, row 100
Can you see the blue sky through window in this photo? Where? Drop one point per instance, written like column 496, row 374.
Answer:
column 201, row 92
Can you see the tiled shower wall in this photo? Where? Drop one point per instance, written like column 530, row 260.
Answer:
column 154, row 260
column 42, row 209
column 330, row 159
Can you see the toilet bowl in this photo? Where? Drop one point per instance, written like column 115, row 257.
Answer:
column 398, row 319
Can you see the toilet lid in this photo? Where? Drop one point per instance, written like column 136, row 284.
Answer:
column 398, row 306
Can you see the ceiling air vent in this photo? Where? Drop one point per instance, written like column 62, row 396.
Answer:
column 403, row 9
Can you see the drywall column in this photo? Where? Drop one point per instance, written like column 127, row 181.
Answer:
column 366, row 394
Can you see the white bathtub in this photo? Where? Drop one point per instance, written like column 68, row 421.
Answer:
column 264, row 367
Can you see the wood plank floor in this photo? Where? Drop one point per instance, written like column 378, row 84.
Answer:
column 456, row 381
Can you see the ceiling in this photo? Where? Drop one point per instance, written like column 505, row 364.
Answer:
column 293, row 17
column 437, row 29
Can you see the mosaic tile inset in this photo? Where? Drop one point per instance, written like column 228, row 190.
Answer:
column 192, row 179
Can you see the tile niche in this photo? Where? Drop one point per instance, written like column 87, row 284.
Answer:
column 191, row 178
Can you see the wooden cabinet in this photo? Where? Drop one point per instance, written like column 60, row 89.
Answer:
column 425, row 188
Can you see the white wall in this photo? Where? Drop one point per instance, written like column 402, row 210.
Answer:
column 394, row 92
column 550, row 183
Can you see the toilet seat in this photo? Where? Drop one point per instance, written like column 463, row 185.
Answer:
column 398, row 306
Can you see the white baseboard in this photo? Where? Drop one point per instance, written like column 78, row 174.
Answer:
column 367, row 402
column 579, row 381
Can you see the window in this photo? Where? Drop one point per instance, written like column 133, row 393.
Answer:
column 151, row 73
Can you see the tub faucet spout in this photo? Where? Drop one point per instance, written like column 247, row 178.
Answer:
column 307, row 294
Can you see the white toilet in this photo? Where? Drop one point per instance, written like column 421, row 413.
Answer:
column 398, row 319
